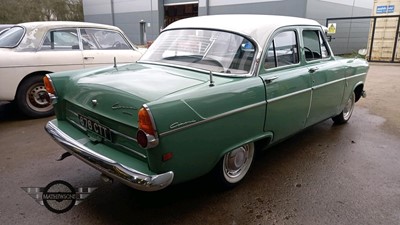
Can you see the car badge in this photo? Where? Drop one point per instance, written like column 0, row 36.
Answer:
column 94, row 102
column 118, row 106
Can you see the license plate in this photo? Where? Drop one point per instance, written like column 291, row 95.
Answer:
column 95, row 127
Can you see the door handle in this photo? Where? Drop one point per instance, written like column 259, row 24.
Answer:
column 88, row 57
column 312, row 69
column 270, row 79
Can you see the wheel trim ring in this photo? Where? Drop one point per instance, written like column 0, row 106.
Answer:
column 348, row 109
column 237, row 174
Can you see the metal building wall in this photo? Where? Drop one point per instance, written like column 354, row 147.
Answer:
column 273, row 7
column 351, row 35
column 127, row 14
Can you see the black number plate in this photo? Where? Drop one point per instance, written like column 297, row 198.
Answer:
column 95, row 127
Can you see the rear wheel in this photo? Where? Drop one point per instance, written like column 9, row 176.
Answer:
column 345, row 115
column 32, row 98
column 234, row 166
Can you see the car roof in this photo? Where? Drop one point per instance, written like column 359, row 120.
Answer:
column 259, row 27
column 57, row 24
column 35, row 31
column 4, row 26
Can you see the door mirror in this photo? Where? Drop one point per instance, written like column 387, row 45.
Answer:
column 362, row 52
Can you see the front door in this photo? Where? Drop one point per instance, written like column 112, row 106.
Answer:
column 288, row 86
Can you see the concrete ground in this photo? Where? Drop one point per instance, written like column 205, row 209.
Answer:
column 325, row 175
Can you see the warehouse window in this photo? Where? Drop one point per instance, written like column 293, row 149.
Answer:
column 173, row 13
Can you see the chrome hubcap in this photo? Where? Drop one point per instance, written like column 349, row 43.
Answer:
column 237, row 163
column 38, row 99
column 236, row 159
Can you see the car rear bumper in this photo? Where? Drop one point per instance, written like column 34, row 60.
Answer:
column 109, row 167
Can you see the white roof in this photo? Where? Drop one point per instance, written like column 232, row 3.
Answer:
column 58, row 24
column 259, row 27
column 35, row 31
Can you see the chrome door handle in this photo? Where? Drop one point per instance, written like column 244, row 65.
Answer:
column 87, row 57
column 270, row 79
column 312, row 69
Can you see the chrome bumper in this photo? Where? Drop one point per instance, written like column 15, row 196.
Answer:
column 126, row 175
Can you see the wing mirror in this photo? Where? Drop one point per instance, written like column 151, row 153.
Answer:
column 362, row 52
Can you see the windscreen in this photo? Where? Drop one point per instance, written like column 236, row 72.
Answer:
column 211, row 50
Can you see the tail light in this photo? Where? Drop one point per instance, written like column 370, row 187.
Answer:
column 146, row 135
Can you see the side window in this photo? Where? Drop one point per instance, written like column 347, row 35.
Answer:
column 103, row 39
column 283, row 50
column 61, row 40
column 314, row 45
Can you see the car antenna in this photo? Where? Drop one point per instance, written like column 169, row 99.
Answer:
column 211, row 79
column 115, row 63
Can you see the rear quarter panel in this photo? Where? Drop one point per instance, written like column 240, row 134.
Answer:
column 355, row 75
column 200, row 128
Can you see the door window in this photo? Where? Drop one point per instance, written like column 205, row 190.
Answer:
column 61, row 40
column 103, row 39
column 315, row 46
column 283, row 50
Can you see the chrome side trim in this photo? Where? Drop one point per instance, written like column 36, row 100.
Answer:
column 328, row 83
column 190, row 107
column 313, row 88
column 357, row 75
column 245, row 108
column 289, row 95
column 338, row 80
column 125, row 174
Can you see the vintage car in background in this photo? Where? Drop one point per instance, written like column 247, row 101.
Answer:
column 31, row 50
column 205, row 94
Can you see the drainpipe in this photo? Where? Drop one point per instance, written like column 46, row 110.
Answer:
column 207, row 5
column 112, row 13
column 143, row 38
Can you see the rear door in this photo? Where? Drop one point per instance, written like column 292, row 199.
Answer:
column 59, row 51
column 326, row 74
column 288, row 85
column 100, row 46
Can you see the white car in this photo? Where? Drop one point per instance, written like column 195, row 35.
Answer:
column 31, row 50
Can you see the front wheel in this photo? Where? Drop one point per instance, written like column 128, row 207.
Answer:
column 234, row 166
column 345, row 115
column 32, row 98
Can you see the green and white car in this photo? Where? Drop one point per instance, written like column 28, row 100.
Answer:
column 204, row 95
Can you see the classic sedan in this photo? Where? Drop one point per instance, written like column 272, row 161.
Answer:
column 31, row 50
column 207, row 92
